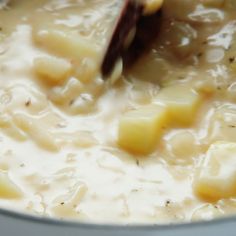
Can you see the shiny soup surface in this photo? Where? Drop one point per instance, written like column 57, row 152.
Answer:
column 154, row 144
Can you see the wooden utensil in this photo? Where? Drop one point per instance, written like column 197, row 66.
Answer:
column 132, row 34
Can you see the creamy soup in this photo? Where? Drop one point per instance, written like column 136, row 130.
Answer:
column 155, row 144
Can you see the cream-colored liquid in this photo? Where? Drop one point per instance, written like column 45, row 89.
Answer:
column 69, row 165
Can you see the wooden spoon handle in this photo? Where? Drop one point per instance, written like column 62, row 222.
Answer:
column 128, row 17
column 140, row 16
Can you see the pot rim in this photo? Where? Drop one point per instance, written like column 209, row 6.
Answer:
column 95, row 226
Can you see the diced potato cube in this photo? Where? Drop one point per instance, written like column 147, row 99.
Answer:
column 216, row 176
column 54, row 69
column 68, row 45
column 152, row 6
column 8, row 190
column 140, row 130
column 181, row 102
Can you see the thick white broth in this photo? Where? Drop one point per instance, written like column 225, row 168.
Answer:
column 58, row 138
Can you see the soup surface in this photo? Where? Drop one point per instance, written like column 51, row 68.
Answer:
column 156, row 146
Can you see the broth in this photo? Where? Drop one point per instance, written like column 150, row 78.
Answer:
column 65, row 152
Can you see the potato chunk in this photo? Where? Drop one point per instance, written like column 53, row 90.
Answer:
column 140, row 130
column 54, row 69
column 181, row 102
column 68, row 45
column 8, row 190
column 216, row 176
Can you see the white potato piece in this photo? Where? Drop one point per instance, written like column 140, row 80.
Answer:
column 183, row 146
column 62, row 95
column 140, row 130
column 14, row 132
column 38, row 133
column 53, row 69
column 216, row 177
column 181, row 102
column 9, row 128
column 68, row 45
column 8, row 190
column 86, row 70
